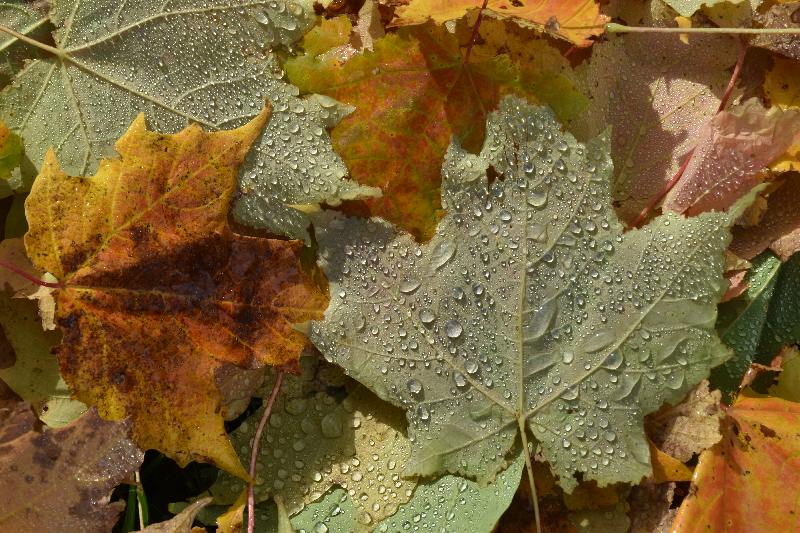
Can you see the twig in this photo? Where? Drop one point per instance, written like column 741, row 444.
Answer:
column 251, row 505
column 613, row 27
column 474, row 36
column 655, row 200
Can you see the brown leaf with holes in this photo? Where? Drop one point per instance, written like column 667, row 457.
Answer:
column 157, row 292
column 63, row 478
column 689, row 427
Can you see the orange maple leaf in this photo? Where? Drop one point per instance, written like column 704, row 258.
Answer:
column 573, row 20
column 157, row 292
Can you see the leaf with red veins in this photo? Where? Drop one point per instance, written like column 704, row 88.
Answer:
column 656, row 93
column 732, row 149
column 157, row 292
column 749, row 481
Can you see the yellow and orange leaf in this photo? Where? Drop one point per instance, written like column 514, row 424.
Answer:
column 157, row 292
column 413, row 93
column 749, row 481
column 574, row 20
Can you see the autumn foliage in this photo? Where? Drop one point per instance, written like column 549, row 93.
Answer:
column 391, row 265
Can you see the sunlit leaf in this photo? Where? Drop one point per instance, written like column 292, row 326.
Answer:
column 157, row 292
column 573, row 20
column 656, row 93
column 749, row 481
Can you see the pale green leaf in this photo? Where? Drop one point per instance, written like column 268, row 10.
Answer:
column 184, row 61
column 529, row 307
column 34, row 376
column 452, row 504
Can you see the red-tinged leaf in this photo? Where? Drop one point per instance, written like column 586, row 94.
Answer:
column 750, row 481
column 574, row 20
column 61, row 480
column 731, row 151
column 656, row 93
column 157, row 292
column 413, row 93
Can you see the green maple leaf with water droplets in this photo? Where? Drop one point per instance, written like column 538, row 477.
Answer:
column 528, row 310
column 202, row 61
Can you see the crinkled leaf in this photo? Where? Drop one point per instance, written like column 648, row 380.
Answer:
column 779, row 227
column 574, row 20
column 651, row 507
column 750, row 480
column 158, row 292
column 415, row 83
column 65, row 476
column 781, row 15
column 529, row 307
column 315, row 440
column 762, row 320
column 730, row 152
column 204, row 62
column 656, row 93
column 690, row 427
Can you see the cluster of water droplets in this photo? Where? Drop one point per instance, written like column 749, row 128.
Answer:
column 314, row 441
column 186, row 62
column 446, row 504
column 528, row 302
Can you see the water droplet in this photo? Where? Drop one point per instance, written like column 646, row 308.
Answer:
column 427, row 316
column 442, row 253
column 453, row 329
column 598, row 341
column 409, row 286
column 414, row 386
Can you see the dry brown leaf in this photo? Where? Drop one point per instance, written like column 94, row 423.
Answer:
column 689, row 427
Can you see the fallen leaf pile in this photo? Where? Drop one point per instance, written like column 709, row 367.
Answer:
column 399, row 265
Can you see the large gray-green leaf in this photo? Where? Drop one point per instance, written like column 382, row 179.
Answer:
column 183, row 61
column 528, row 307
column 20, row 16
column 763, row 319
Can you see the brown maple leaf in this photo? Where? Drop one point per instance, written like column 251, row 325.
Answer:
column 61, row 479
column 157, row 292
